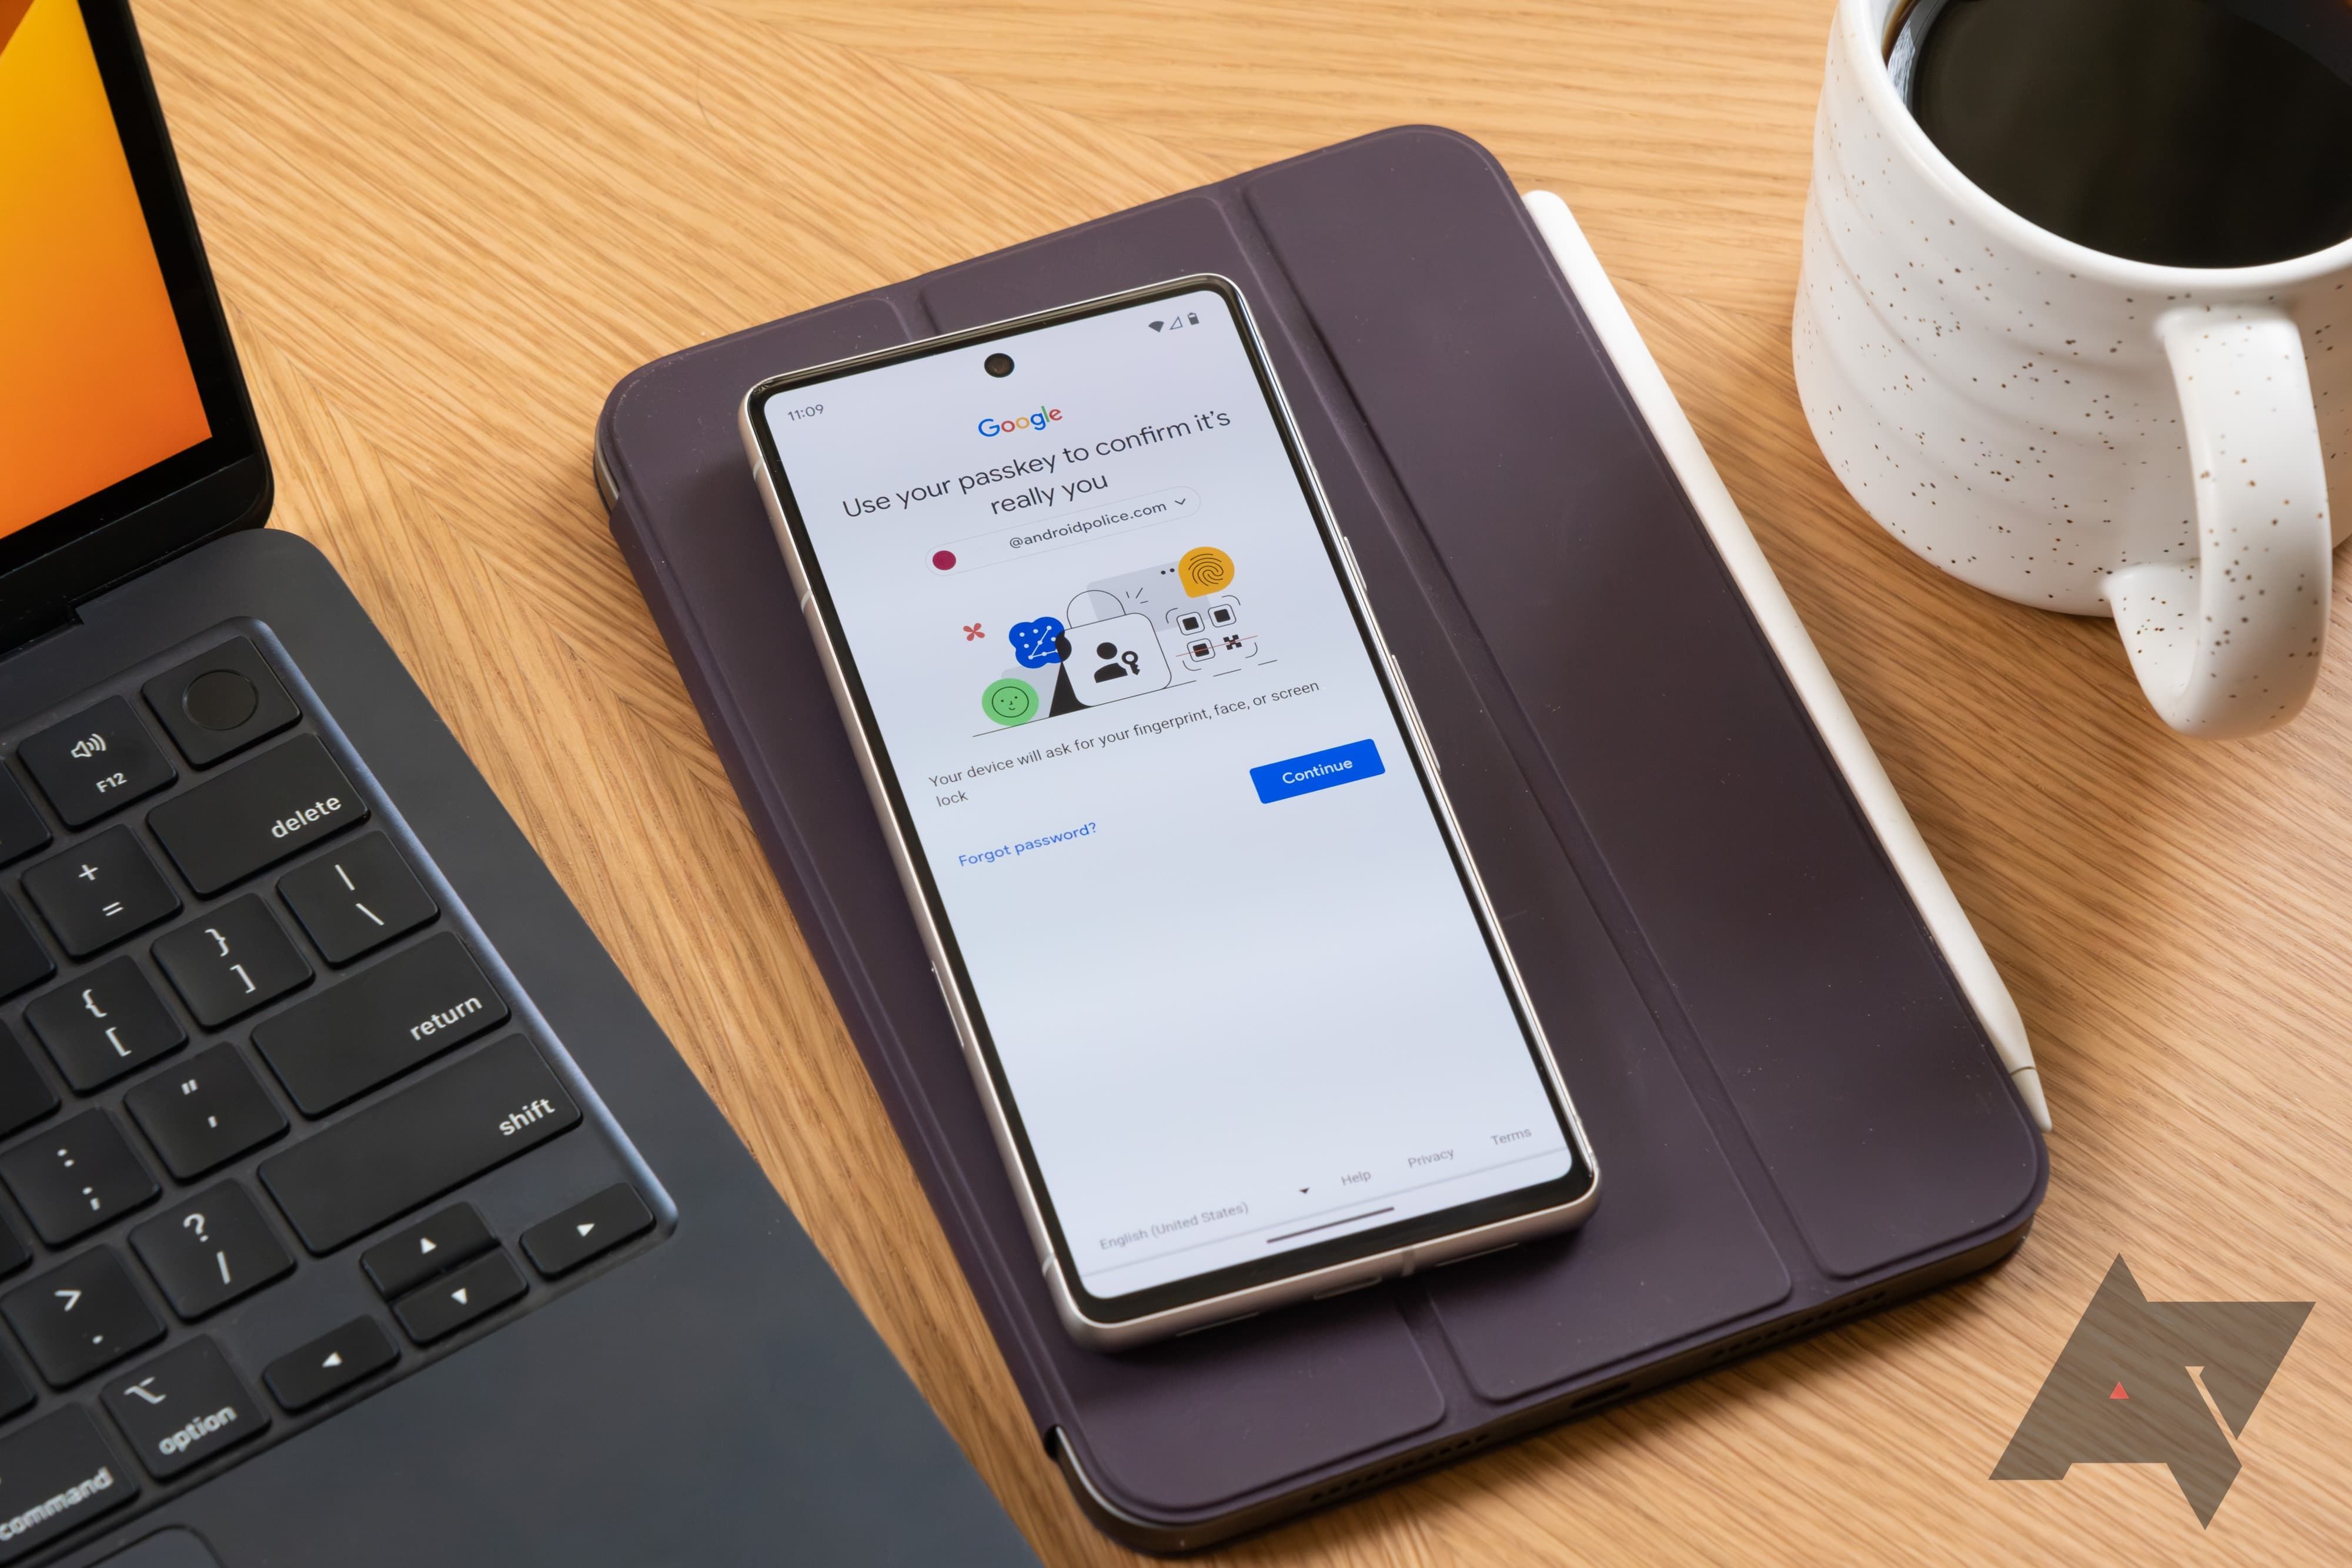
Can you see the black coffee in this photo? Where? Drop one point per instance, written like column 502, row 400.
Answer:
column 2191, row 133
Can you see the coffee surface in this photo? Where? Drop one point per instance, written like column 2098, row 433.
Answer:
column 2188, row 133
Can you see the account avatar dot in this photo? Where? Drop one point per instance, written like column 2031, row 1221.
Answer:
column 1009, row 702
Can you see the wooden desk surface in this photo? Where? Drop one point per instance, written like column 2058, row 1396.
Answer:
column 446, row 227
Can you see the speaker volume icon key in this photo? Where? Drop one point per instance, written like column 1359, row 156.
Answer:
column 95, row 761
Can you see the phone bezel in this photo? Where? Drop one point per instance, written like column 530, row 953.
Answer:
column 1239, row 1289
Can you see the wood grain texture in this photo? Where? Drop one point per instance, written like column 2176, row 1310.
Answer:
column 446, row 228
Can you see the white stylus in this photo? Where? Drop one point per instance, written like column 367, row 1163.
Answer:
column 1848, row 747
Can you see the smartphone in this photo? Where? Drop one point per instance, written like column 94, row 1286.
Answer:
column 1243, row 1018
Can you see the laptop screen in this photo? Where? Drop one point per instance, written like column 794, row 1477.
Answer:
column 96, row 384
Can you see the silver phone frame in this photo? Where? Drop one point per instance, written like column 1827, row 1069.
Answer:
column 1338, row 1278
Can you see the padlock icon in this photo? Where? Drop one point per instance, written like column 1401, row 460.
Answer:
column 1103, row 660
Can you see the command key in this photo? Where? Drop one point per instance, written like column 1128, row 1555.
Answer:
column 54, row 1475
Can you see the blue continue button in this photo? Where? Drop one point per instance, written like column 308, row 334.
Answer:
column 1317, row 770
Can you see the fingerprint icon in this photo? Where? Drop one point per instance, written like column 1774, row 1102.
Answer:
column 1204, row 570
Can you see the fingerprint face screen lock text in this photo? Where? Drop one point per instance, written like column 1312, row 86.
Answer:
column 1233, row 1021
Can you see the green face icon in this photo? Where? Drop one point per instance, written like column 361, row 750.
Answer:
column 1009, row 702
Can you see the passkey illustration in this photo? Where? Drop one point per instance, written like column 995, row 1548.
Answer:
column 1108, row 659
column 1124, row 636
column 1212, row 634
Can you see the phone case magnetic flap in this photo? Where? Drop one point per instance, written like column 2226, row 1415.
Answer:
column 1796, row 1114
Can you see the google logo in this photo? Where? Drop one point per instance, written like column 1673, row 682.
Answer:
column 1037, row 421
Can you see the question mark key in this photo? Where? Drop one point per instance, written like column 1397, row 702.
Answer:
column 211, row 1249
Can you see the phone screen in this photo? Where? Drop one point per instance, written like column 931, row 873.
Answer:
column 1209, row 923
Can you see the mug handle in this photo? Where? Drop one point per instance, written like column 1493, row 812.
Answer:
column 2229, row 644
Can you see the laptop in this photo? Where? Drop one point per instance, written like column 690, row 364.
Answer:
column 352, row 1209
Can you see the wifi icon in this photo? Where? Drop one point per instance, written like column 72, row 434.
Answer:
column 1157, row 324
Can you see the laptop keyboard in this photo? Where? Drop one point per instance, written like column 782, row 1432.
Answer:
column 275, row 1127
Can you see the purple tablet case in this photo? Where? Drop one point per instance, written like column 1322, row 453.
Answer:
column 1797, row 1110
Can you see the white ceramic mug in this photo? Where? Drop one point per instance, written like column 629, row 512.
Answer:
column 2070, row 429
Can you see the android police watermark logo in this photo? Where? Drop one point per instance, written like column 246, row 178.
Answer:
column 2121, row 1392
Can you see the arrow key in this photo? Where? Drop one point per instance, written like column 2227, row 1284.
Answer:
column 330, row 1364
column 455, row 1300
column 587, row 1229
column 432, row 1246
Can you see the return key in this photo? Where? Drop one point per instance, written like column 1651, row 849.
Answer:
column 380, row 1023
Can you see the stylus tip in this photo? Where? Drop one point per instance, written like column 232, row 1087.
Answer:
column 2029, row 1086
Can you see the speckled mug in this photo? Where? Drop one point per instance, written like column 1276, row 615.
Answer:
column 2070, row 429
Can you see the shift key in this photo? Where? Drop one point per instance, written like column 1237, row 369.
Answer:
column 257, row 813
column 342, row 1183
column 376, row 1025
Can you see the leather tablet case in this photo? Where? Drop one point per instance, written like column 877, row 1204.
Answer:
column 1772, row 1015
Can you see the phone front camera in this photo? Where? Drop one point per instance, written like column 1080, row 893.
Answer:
column 998, row 365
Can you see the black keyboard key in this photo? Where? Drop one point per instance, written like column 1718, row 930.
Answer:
column 172, row 1547
column 432, row 1246
column 23, row 960
column 221, row 702
column 206, row 1114
column 75, row 1176
column 256, row 814
column 105, row 1023
column 210, row 1249
column 338, row 1184
column 231, row 961
column 587, row 1229
column 25, row 1096
column 356, row 899
column 56, row 1475
column 99, row 892
column 98, row 761
column 182, row 1407
column 330, row 1364
column 455, row 1299
column 15, row 1393
column 21, row 829
column 78, row 1318
column 14, row 1254
column 376, row 1026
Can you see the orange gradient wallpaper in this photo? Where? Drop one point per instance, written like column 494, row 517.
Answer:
column 94, row 383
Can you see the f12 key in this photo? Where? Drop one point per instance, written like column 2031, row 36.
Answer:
column 100, row 759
